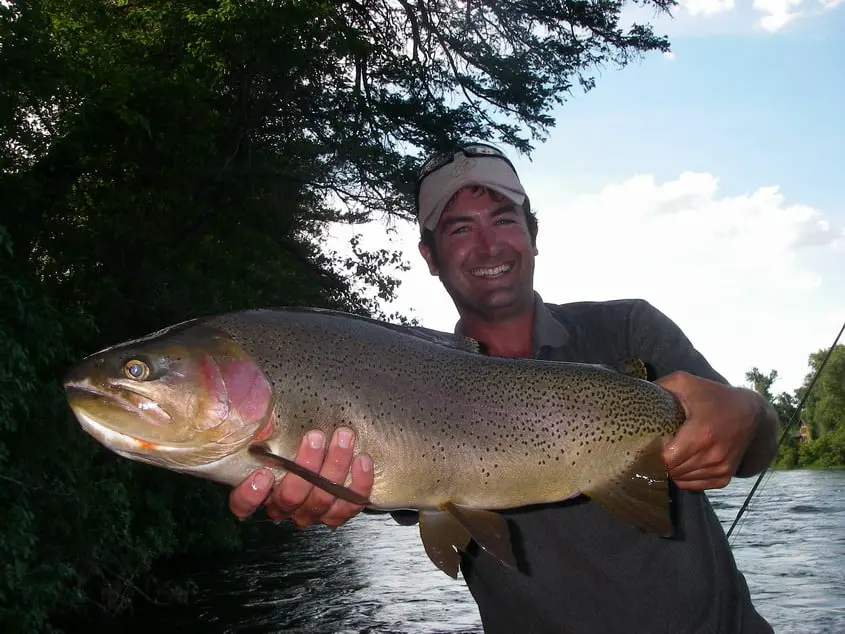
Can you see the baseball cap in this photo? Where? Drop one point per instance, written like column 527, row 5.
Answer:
column 472, row 164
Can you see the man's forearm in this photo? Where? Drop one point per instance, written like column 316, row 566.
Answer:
column 763, row 446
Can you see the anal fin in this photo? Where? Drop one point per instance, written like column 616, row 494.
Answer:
column 639, row 495
column 488, row 528
column 447, row 532
column 443, row 538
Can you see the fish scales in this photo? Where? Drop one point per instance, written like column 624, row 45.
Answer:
column 449, row 424
column 452, row 433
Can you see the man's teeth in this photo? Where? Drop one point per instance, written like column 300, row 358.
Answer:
column 496, row 270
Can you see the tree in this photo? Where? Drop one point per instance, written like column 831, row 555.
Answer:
column 825, row 408
column 823, row 413
column 160, row 160
column 784, row 403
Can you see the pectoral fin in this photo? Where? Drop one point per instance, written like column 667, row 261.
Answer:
column 640, row 494
column 337, row 490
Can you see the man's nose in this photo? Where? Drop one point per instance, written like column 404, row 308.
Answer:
column 487, row 242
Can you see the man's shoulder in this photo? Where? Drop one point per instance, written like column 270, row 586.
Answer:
column 590, row 311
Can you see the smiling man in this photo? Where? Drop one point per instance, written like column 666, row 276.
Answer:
column 582, row 571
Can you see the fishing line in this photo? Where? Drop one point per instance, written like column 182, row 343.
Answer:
column 786, row 431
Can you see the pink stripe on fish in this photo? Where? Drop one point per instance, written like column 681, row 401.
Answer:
column 250, row 394
column 211, row 406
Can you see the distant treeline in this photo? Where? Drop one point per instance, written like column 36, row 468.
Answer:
column 163, row 160
column 817, row 436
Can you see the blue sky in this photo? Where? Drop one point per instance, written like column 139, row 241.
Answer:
column 754, row 106
column 709, row 182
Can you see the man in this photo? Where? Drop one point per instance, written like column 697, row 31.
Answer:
column 587, row 572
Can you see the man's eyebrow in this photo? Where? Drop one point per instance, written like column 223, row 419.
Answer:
column 505, row 208
column 453, row 220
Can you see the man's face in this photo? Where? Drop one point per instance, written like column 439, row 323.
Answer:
column 485, row 258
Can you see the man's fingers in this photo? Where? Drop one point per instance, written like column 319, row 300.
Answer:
column 685, row 443
column 718, row 472
column 251, row 493
column 335, row 468
column 292, row 491
column 680, row 452
column 362, row 482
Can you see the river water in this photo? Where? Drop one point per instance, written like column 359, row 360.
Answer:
column 372, row 575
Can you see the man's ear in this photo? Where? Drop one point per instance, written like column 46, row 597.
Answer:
column 429, row 259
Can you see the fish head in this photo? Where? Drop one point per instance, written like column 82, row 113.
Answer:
column 181, row 398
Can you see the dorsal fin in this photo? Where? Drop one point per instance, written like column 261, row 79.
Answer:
column 632, row 367
column 449, row 340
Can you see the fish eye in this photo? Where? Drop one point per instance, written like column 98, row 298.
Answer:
column 137, row 370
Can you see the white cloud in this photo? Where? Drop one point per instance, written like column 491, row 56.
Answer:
column 707, row 7
column 777, row 13
column 751, row 278
column 731, row 17
column 669, row 55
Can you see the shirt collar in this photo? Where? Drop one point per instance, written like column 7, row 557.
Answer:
column 548, row 331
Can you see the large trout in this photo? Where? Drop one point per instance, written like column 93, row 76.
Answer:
column 453, row 433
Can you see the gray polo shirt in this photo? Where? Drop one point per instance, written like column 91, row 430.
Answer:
column 591, row 573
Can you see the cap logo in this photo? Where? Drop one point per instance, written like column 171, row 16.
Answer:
column 463, row 165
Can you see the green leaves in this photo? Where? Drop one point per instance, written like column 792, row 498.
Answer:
column 164, row 160
column 818, row 440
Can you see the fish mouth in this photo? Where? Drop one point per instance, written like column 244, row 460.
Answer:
column 183, row 456
column 117, row 396
column 136, row 427
column 121, row 443
column 493, row 271
column 124, row 420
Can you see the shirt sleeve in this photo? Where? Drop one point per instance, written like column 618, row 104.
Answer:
column 662, row 345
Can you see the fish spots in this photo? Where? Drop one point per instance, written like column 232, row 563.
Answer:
column 434, row 409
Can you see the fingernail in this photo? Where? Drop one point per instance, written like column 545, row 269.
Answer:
column 315, row 439
column 261, row 481
column 344, row 438
column 366, row 463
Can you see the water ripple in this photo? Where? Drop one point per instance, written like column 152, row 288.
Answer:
column 373, row 575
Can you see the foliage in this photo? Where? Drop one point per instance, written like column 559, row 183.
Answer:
column 161, row 160
column 822, row 416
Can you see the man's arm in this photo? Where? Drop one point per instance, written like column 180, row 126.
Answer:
column 729, row 431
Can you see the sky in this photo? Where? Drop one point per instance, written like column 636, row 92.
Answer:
column 709, row 181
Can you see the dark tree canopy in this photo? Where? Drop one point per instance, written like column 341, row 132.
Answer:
column 160, row 160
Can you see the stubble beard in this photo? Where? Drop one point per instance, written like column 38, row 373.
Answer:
column 492, row 307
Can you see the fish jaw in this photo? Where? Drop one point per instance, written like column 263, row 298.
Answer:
column 127, row 433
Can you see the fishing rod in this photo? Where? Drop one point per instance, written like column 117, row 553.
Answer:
column 786, row 430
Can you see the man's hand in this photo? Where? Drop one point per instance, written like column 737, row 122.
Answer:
column 729, row 431
column 304, row 503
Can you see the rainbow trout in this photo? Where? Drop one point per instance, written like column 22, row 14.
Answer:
column 453, row 434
